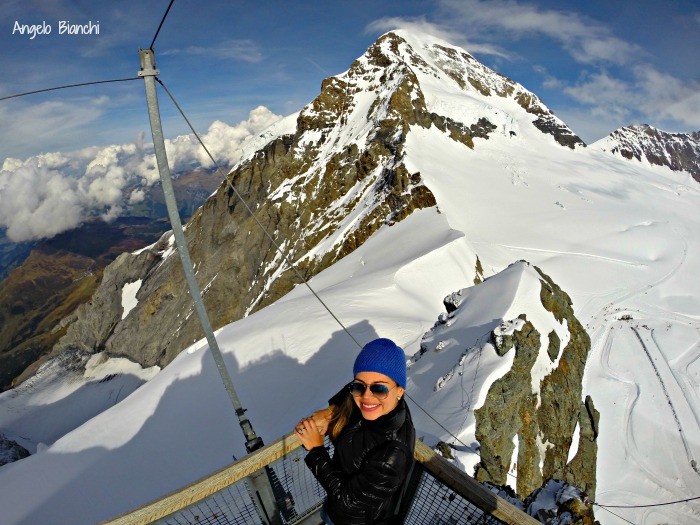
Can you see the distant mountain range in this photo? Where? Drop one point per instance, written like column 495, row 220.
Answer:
column 678, row 151
column 46, row 281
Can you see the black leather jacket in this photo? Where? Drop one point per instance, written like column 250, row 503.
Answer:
column 370, row 464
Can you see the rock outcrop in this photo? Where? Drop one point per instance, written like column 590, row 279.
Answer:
column 544, row 424
column 514, row 390
column 11, row 451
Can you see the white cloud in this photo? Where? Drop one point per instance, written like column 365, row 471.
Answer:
column 234, row 49
column 420, row 24
column 223, row 141
column 608, row 94
column 650, row 96
column 44, row 121
column 600, row 48
column 549, row 81
column 669, row 97
column 37, row 202
column 138, row 195
column 11, row 164
column 586, row 40
column 53, row 192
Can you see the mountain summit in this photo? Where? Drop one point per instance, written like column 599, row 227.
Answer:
column 323, row 181
column 418, row 79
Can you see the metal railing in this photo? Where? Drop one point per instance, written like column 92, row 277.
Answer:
column 441, row 494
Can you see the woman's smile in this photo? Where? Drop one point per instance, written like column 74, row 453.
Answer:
column 371, row 406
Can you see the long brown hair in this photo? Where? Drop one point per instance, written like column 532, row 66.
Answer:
column 341, row 417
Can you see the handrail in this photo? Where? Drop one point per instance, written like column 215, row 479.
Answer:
column 440, row 468
column 470, row 489
column 208, row 485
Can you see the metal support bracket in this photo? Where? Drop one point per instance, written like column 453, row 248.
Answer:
column 147, row 54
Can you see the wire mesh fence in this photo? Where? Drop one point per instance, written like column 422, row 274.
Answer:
column 299, row 495
column 436, row 504
column 230, row 506
column 300, row 486
column 297, row 492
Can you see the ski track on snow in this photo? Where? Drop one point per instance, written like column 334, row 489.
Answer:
column 664, row 388
column 560, row 252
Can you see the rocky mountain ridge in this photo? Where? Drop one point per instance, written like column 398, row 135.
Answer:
column 678, row 151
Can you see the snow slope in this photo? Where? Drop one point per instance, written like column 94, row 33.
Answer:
column 64, row 393
column 621, row 238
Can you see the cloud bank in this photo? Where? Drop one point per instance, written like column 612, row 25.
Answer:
column 53, row 192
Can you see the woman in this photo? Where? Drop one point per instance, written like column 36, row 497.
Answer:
column 370, row 426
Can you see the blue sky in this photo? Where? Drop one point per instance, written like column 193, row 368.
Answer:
column 598, row 65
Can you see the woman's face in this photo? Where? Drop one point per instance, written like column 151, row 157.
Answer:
column 370, row 405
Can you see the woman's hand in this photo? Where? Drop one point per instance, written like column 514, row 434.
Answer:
column 321, row 418
column 308, row 434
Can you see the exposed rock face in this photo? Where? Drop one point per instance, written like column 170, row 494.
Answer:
column 94, row 322
column 472, row 76
column 58, row 275
column 678, row 151
column 10, row 451
column 524, row 373
column 543, row 424
column 319, row 194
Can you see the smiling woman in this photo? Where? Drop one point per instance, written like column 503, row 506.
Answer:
column 371, row 428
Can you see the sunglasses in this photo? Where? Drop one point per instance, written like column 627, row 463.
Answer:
column 379, row 390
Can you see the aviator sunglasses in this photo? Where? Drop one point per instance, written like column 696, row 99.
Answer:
column 379, row 390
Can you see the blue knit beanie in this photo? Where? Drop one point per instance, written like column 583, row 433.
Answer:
column 385, row 357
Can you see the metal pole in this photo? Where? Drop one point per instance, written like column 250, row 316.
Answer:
column 253, row 442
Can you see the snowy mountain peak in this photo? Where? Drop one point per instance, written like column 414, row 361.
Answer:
column 678, row 151
column 416, row 79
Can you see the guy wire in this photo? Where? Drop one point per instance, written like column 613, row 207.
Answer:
column 161, row 24
column 68, row 86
